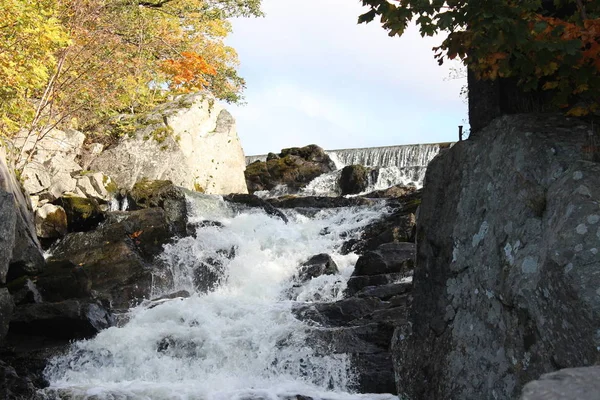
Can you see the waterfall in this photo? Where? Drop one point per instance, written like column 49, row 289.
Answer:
column 397, row 165
column 239, row 340
column 418, row 155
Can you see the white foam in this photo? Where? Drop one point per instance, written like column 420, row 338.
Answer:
column 240, row 340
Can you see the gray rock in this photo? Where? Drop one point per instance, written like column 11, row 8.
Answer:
column 191, row 141
column 117, row 260
column 506, row 279
column 36, row 178
column 358, row 283
column 50, row 144
column 49, row 159
column 295, row 168
column 566, row 384
column 90, row 153
column 321, row 264
column 355, row 179
column 6, row 310
column 251, row 200
column 20, row 251
column 50, row 221
column 69, row 319
column 389, row 258
column 8, row 218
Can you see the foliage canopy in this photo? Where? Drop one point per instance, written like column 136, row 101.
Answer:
column 549, row 45
column 78, row 62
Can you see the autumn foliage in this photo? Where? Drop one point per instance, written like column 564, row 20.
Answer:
column 189, row 72
column 77, row 63
column 551, row 46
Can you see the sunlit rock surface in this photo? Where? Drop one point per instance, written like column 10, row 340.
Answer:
column 506, row 282
column 191, row 141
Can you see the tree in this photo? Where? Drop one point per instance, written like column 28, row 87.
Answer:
column 30, row 34
column 551, row 46
column 127, row 55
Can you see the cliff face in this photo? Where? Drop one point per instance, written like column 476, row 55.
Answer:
column 190, row 141
column 20, row 251
column 508, row 253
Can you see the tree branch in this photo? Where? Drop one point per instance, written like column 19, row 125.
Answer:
column 151, row 4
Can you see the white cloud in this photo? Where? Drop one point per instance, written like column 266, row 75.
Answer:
column 309, row 61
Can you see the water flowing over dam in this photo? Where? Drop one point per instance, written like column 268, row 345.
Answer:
column 398, row 165
column 239, row 340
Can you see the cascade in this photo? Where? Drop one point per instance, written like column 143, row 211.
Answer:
column 418, row 155
column 398, row 165
column 237, row 340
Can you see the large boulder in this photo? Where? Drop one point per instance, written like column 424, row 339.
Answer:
column 83, row 213
column 20, row 251
column 355, row 179
column 115, row 263
column 566, row 384
column 70, row 319
column 506, row 279
column 294, row 167
column 191, row 141
column 389, row 263
column 163, row 194
column 317, row 265
column 50, row 221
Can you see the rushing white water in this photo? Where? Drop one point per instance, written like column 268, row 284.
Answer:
column 240, row 340
column 417, row 155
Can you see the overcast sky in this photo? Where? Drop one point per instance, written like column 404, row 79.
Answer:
column 314, row 76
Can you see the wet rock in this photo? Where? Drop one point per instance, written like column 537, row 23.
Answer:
column 357, row 283
column 295, row 167
column 355, row 179
column 318, row 202
column 363, row 329
column 385, row 292
column 63, row 280
column 6, row 310
column 14, row 386
column 400, row 226
column 339, row 313
column 70, row 319
column 321, row 264
column 20, row 250
column 505, row 286
column 251, row 200
column 116, row 261
column 393, row 191
column 566, row 384
column 210, row 271
column 175, row 295
column 83, row 214
column 389, row 258
column 163, row 194
column 24, row 291
column 50, row 221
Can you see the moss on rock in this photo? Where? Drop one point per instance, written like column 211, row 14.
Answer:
column 294, row 167
column 83, row 214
